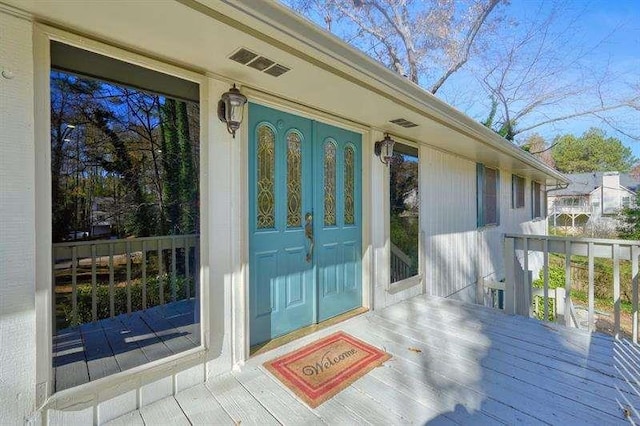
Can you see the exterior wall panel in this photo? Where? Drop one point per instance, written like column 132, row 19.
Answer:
column 457, row 252
column 17, row 223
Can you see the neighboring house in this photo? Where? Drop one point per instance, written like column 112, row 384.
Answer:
column 329, row 102
column 102, row 213
column 591, row 201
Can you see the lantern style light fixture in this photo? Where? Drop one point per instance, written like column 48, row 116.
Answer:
column 384, row 149
column 230, row 109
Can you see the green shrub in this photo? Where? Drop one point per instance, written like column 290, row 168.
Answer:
column 84, row 298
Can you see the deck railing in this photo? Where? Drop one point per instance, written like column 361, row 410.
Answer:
column 174, row 256
column 400, row 264
column 520, row 294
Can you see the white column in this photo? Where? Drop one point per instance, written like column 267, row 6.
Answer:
column 379, row 209
column 219, row 234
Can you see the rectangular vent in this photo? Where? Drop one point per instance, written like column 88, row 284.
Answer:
column 261, row 63
column 404, row 123
column 253, row 60
column 243, row 56
column 277, row 70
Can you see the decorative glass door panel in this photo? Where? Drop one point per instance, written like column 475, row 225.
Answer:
column 304, row 222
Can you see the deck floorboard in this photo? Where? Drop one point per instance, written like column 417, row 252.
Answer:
column 95, row 350
column 452, row 363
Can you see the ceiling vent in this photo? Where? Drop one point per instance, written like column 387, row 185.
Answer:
column 277, row 70
column 404, row 123
column 243, row 56
column 260, row 63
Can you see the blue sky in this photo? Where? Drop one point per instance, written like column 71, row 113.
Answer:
column 610, row 31
column 615, row 25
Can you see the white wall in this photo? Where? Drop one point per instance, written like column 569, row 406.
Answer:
column 17, row 223
column 457, row 253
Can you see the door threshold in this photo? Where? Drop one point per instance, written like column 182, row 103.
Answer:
column 304, row 331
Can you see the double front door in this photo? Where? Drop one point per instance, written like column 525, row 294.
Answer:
column 305, row 241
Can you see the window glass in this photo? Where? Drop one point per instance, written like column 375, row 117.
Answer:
column 125, row 224
column 536, row 200
column 517, row 192
column 405, row 212
column 488, row 181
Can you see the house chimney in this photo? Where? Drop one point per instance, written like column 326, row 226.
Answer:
column 610, row 192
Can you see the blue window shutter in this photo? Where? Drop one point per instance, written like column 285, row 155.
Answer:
column 479, row 194
column 497, row 196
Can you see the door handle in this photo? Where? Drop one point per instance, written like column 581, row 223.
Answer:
column 308, row 232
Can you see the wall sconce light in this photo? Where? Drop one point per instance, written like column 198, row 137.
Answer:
column 384, row 149
column 230, row 108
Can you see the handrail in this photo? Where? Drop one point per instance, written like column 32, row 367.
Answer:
column 400, row 264
column 519, row 293
column 176, row 252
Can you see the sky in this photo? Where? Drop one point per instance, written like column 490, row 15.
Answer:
column 613, row 25
column 609, row 33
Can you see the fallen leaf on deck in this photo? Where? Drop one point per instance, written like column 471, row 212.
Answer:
column 415, row 350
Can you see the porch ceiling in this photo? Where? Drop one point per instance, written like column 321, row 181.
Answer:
column 325, row 74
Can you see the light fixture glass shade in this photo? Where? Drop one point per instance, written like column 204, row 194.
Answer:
column 384, row 149
column 232, row 108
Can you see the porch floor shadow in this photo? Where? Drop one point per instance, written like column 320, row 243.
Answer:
column 452, row 363
column 95, row 350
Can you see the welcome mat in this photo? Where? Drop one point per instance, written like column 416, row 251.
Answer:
column 320, row 370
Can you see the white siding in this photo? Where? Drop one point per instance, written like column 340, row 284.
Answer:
column 457, row 253
column 17, row 223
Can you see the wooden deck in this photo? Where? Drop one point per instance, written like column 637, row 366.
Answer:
column 452, row 363
column 94, row 350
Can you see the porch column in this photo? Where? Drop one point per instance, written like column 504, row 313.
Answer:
column 379, row 209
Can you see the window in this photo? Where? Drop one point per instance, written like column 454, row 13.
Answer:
column 488, row 189
column 405, row 212
column 626, row 202
column 536, row 207
column 125, row 215
column 517, row 192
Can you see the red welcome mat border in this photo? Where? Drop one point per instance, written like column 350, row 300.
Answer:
column 314, row 395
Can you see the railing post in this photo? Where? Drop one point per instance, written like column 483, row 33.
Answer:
column 510, row 276
column 74, row 285
column 616, row 289
column 545, row 265
column 111, row 283
column 94, row 285
column 527, row 281
column 634, row 284
column 567, row 283
column 592, row 318
column 144, row 274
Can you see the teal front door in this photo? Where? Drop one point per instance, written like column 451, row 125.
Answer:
column 305, row 228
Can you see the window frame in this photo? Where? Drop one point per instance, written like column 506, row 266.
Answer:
column 481, row 196
column 518, row 198
column 416, row 278
column 164, row 367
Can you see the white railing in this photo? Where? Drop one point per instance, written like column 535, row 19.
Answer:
column 581, row 209
column 77, row 263
column 400, row 264
column 519, row 293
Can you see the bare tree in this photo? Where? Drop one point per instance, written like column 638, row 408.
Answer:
column 541, row 74
column 533, row 71
column 426, row 41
